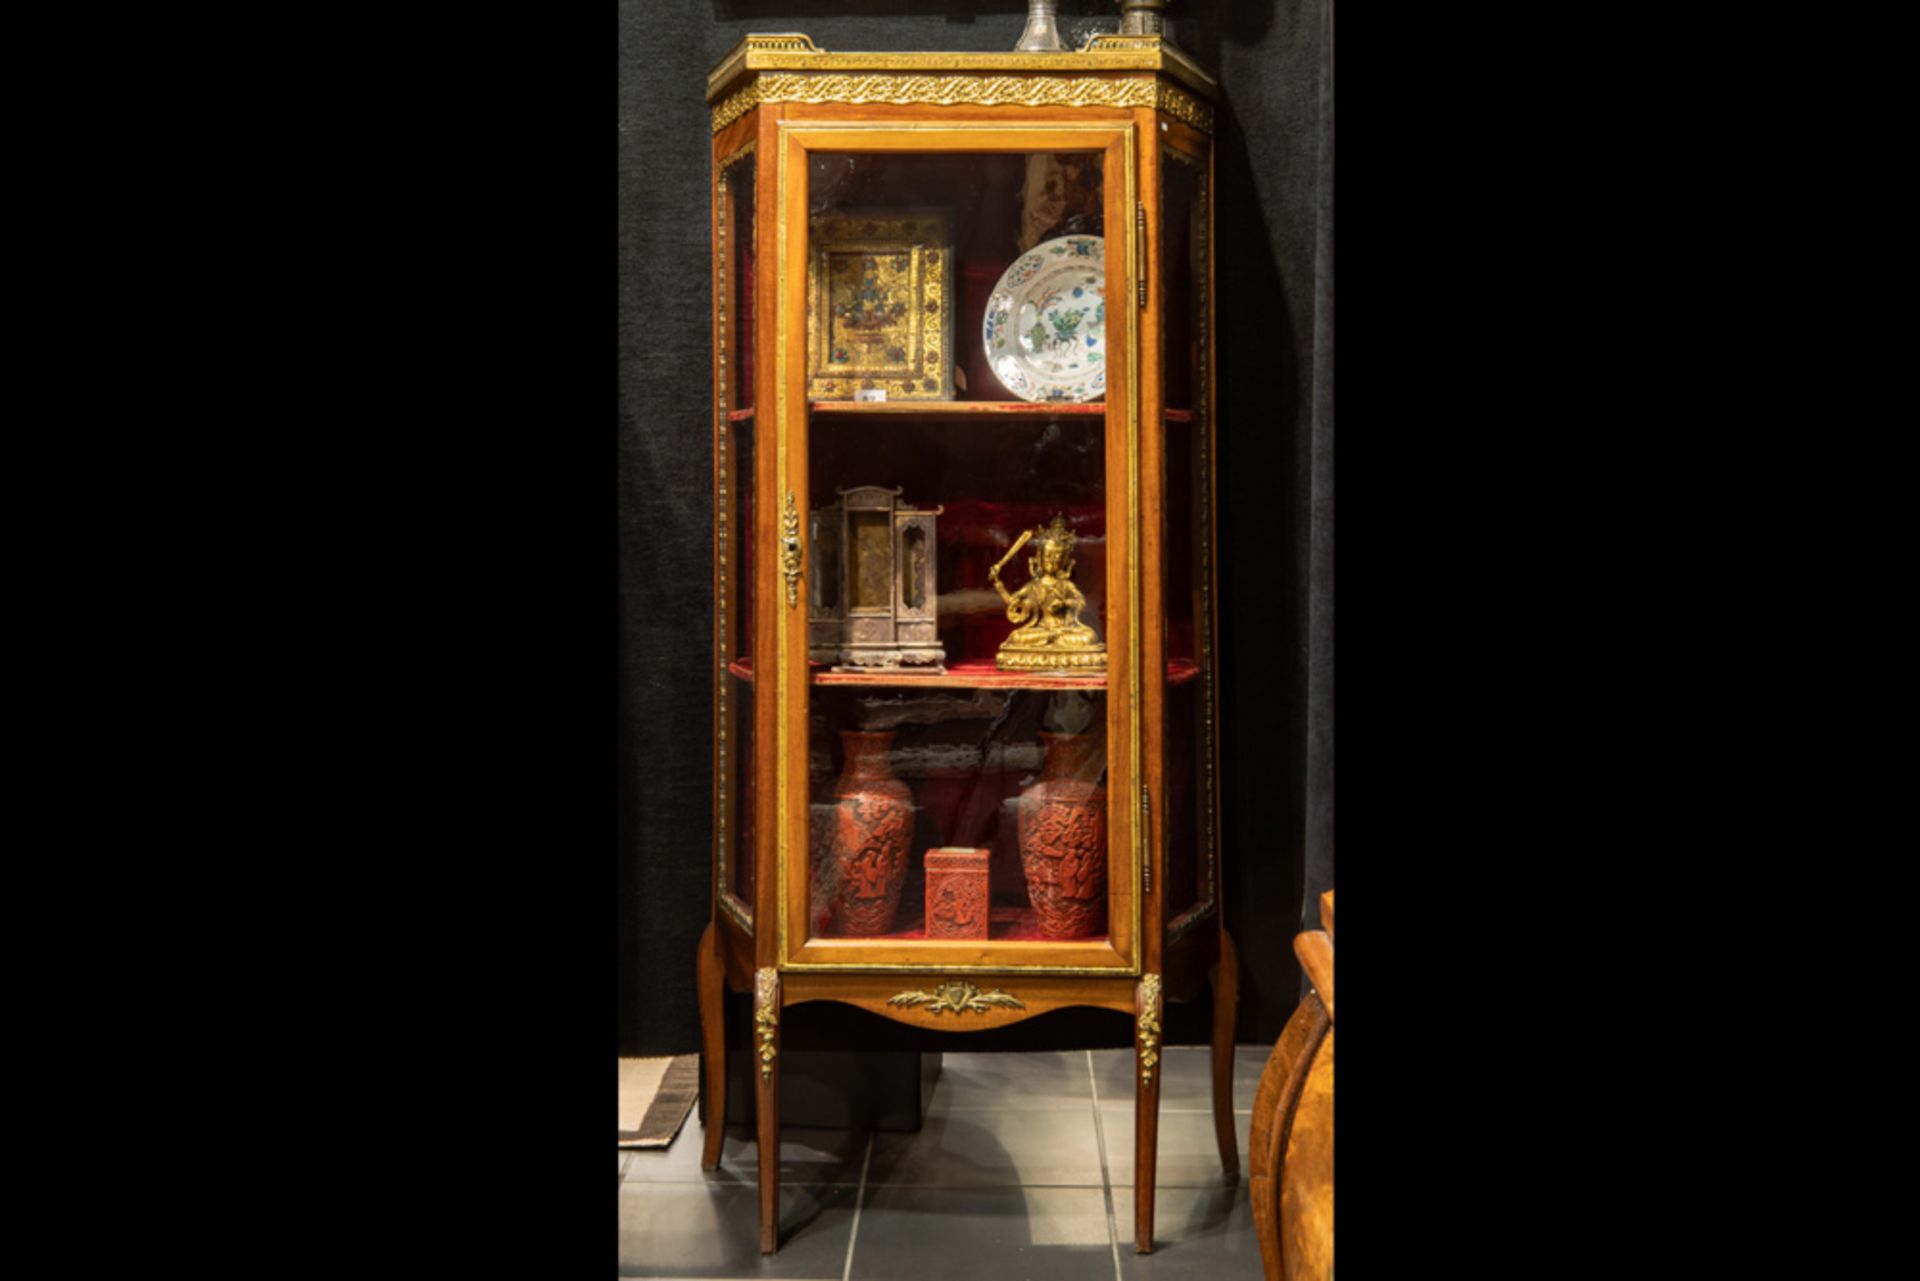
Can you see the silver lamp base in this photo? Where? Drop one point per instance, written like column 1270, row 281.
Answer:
column 1042, row 34
column 1143, row 17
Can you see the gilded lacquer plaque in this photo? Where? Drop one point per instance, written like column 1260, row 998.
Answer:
column 880, row 305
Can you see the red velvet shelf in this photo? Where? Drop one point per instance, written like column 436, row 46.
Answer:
column 978, row 673
column 1004, row 925
column 959, row 408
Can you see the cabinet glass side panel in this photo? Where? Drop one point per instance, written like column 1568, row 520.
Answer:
column 738, row 744
column 733, row 530
column 1188, row 569
column 739, row 178
column 957, row 533
column 740, row 880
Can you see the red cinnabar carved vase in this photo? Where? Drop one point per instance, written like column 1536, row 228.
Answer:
column 873, row 824
column 1063, row 838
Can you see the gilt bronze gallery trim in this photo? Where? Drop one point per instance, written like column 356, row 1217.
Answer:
column 956, row 90
column 1103, row 52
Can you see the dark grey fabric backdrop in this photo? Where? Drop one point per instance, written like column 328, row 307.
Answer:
column 1275, row 207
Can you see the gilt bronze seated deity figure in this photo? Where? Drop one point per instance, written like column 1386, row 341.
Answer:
column 1049, row 635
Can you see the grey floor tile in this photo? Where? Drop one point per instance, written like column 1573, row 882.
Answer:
column 806, row 1156
column 1201, row 1233
column 1248, row 1062
column 970, row 1082
column 626, row 1155
column 1055, row 1147
column 966, row 1234
column 1187, row 1155
column 1186, row 1076
column 690, row 1230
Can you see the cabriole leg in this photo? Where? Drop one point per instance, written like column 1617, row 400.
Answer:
column 766, row 1032
column 1146, row 1111
column 1226, row 1005
column 710, row 977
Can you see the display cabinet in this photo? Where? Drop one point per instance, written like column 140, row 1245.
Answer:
column 964, row 663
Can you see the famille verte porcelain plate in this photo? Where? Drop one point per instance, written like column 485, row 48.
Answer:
column 1046, row 324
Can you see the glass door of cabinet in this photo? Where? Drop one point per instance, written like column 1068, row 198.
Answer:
column 959, row 737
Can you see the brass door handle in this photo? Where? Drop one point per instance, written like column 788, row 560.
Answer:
column 790, row 550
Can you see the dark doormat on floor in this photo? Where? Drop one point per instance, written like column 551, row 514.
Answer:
column 655, row 1097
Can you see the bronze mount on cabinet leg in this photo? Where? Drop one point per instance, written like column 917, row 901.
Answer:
column 1146, row 1112
column 766, row 1023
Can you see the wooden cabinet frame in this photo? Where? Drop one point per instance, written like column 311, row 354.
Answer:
column 1141, row 104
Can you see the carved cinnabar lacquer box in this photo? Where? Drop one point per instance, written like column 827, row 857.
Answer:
column 957, row 893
